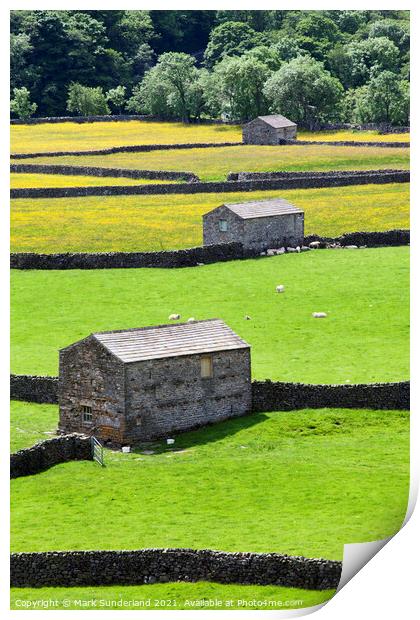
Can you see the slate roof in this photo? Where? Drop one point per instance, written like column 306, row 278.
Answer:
column 161, row 341
column 262, row 208
column 277, row 121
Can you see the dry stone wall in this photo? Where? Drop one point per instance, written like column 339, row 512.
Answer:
column 34, row 389
column 48, row 453
column 136, row 148
column 98, row 568
column 297, row 181
column 392, row 145
column 163, row 175
column 189, row 257
column 277, row 396
column 266, row 395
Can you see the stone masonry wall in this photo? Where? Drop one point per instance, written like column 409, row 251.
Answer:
column 277, row 396
column 135, row 148
column 189, row 257
column 177, row 398
column 91, row 376
column 44, row 455
column 168, row 175
column 297, row 181
column 96, row 568
column 34, row 389
column 273, row 396
column 392, row 145
column 283, row 174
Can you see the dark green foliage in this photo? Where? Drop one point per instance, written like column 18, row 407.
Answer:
column 50, row 49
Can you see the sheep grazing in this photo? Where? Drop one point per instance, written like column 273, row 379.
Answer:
column 280, row 288
column 319, row 315
column 191, row 319
column 247, row 318
column 174, row 317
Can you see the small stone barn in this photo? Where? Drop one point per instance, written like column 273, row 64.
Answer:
column 271, row 129
column 257, row 225
column 140, row 384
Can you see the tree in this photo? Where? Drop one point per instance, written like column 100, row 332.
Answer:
column 117, row 97
column 305, row 92
column 356, row 62
column 171, row 89
column 21, row 103
column 287, row 48
column 20, row 48
column 395, row 31
column 230, row 39
column 317, row 34
column 240, row 87
column 86, row 101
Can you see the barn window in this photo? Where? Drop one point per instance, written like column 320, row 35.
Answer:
column 223, row 226
column 86, row 413
column 206, row 367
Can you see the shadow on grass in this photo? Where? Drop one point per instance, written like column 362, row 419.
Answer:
column 204, row 435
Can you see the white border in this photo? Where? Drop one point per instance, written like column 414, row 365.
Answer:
column 386, row 585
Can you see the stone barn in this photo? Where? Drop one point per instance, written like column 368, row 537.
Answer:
column 257, row 225
column 139, row 384
column 271, row 129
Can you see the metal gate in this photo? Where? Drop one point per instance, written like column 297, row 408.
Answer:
column 97, row 451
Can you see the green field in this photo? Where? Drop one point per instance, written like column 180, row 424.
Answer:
column 364, row 338
column 301, row 482
column 189, row 596
column 136, row 223
column 18, row 180
column 213, row 164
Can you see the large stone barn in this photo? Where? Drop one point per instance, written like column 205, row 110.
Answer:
column 139, row 384
column 258, row 225
column 272, row 129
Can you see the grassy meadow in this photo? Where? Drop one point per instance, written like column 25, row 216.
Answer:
column 20, row 180
column 89, row 136
column 215, row 163
column 364, row 338
column 338, row 475
column 353, row 135
column 155, row 222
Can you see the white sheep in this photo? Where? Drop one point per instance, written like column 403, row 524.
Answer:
column 247, row 318
column 319, row 315
column 191, row 319
column 280, row 288
column 174, row 317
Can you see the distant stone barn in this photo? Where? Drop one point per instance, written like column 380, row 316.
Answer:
column 272, row 129
column 141, row 384
column 258, row 225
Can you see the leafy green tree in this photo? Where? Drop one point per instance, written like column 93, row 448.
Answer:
column 241, row 81
column 116, row 96
column 317, row 34
column 287, row 48
column 230, row 39
column 385, row 99
column 305, row 92
column 21, row 103
column 86, row 100
column 394, row 30
column 356, row 62
column 268, row 56
column 20, row 48
column 170, row 89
